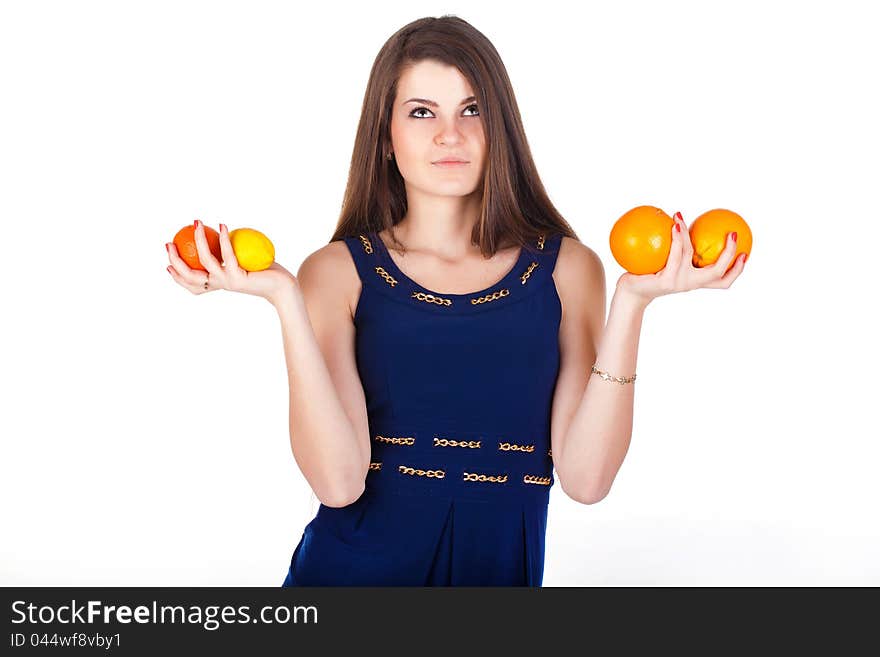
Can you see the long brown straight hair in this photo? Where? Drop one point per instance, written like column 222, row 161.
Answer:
column 515, row 207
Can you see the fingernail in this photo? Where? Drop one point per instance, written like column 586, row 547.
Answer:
column 733, row 236
column 222, row 227
column 678, row 227
column 168, row 247
column 745, row 257
column 196, row 223
column 678, row 216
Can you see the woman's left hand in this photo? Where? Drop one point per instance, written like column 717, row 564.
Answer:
column 679, row 274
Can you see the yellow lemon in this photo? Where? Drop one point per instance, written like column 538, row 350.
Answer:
column 253, row 250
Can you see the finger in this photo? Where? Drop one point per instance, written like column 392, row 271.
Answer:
column 687, row 253
column 724, row 259
column 195, row 289
column 207, row 258
column 187, row 275
column 229, row 259
column 673, row 262
column 727, row 280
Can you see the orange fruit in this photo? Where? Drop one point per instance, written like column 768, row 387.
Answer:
column 185, row 241
column 709, row 233
column 641, row 239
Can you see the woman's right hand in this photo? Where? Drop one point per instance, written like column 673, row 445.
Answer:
column 268, row 283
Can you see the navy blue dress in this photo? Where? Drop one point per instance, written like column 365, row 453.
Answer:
column 458, row 389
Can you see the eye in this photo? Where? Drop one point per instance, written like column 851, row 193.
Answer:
column 419, row 109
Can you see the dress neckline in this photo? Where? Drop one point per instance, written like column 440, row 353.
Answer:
column 505, row 282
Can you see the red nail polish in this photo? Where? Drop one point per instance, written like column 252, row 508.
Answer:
column 745, row 257
column 168, row 247
column 733, row 237
column 678, row 215
column 196, row 223
column 678, row 227
column 222, row 227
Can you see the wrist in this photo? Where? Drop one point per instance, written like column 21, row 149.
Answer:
column 286, row 296
column 629, row 300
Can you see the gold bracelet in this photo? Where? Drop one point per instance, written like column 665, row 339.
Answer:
column 607, row 377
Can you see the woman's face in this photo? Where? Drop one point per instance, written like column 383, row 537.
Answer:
column 444, row 123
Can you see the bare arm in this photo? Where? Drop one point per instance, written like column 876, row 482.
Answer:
column 329, row 432
column 598, row 437
column 592, row 419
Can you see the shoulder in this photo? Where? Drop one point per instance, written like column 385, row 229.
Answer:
column 579, row 274
column 577, row 262
column 330, row 273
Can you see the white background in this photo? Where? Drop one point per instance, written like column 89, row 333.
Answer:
column 145, row 430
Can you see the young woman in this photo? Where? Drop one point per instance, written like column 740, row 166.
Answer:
column 441, row 348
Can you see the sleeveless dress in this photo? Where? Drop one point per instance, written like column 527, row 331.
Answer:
column 458, row 390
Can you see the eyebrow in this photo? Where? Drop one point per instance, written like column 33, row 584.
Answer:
column 425, row 101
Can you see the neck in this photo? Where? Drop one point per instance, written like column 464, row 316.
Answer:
column 442, row 224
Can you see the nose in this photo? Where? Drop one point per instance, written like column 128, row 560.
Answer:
column 448, row 133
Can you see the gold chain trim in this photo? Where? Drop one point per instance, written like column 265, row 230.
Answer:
column 497, row 479
column 396, row 441
column 507, row 447
column 528, row 273
column 490, row 297
column 376, row 465
column 430, row 298
column 388, row 277
column 368, row 247
column 441, row 301
column 444, row 442
column 439, row 474
column 534, row 479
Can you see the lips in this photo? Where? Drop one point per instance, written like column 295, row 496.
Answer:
column 452, row 160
